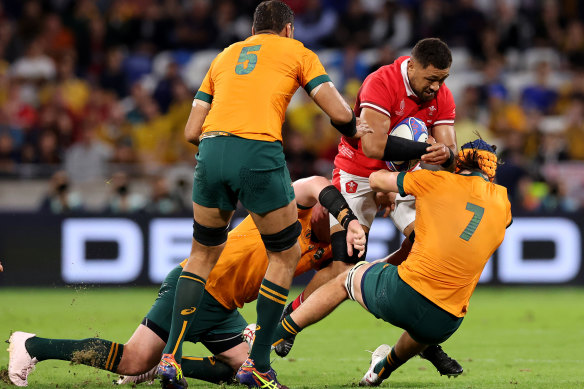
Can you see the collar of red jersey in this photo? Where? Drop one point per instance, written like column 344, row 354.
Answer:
column 404, row 72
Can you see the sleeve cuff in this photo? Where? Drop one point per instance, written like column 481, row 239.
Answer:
column 204, row 97
column 400, row 184
column 316, row 81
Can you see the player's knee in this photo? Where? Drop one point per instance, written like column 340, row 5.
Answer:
column 339, row 248
column 209, row 236
column 283, row 240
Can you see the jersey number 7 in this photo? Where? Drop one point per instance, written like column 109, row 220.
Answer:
column 474, row 222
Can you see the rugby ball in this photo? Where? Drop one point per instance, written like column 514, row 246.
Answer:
column 412, row 129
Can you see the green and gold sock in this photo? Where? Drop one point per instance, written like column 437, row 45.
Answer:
column 286, row 328
column 96, row 352
column 207, row 369
column 189, row 293
column 388, row 365
column 271, row 301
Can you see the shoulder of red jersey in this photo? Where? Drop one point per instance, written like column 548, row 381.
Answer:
column 381, row 87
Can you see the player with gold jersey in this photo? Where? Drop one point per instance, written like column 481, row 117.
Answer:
column 460, row 221
column 236, row 120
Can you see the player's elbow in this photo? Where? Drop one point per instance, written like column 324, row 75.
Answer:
column 371, row 149
column 192, row 136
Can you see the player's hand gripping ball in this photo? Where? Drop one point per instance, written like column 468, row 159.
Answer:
column 412, row 129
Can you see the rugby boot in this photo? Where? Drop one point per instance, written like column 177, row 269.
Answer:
column 170, row 373
column 20, row 363
column 250, row 376
column 371, row 378
column 147, row 377
column 283, row 348
column 442, row 362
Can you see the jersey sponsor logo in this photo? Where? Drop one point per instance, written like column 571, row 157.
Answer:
column 402, row 108
column 188, row 311
column 351, row 187
column 346, row 151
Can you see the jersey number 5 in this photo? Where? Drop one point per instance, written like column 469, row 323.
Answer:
column 251, row 58
column 474, row 222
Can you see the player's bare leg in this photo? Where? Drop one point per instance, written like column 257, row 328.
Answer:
column 279, row 230
column 217, row 369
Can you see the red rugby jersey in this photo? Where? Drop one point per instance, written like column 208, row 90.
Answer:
column 388, row 91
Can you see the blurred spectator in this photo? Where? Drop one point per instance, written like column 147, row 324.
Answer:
column 87, row 159
column 513, row 170
column 354, row 26
column 60, row 199
column 574, row 132
column 548, row 25
column 152, row 138
column 231, row 28
column 75, row 91
column 35, row 66
column 59, row 38
column 30, row 21
column 121, row 200
column 350, row 64
column 138, row 63
column 385, row 56
column 315, row 24
column 392, row 26
column 163, row 92
column 540, row 96
column 113, row 77
column 196, row 29
column 8, row 155
column 178, row 148
column 299, row 159
column 161, row 200
column 468, row 123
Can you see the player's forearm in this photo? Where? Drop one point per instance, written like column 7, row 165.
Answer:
column 195, row 122
column 383, row 181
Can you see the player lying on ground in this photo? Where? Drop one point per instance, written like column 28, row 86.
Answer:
column 235, row 280
column 460, row 221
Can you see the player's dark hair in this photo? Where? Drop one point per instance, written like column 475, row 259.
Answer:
column 272, row 15
column 432, row 51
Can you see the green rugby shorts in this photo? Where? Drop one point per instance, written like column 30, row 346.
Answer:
column 389, row 298
column 217, row 327
column 230, row 168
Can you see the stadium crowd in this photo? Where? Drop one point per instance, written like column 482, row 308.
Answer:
column 101, row 89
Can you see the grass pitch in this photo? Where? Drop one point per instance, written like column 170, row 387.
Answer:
column 512, row 338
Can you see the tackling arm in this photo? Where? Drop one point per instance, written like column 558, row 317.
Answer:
column 383, row 181
column 328, row 98
column 197, row 117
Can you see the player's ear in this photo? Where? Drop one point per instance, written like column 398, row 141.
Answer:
column 289, row 30
column 252, row 30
